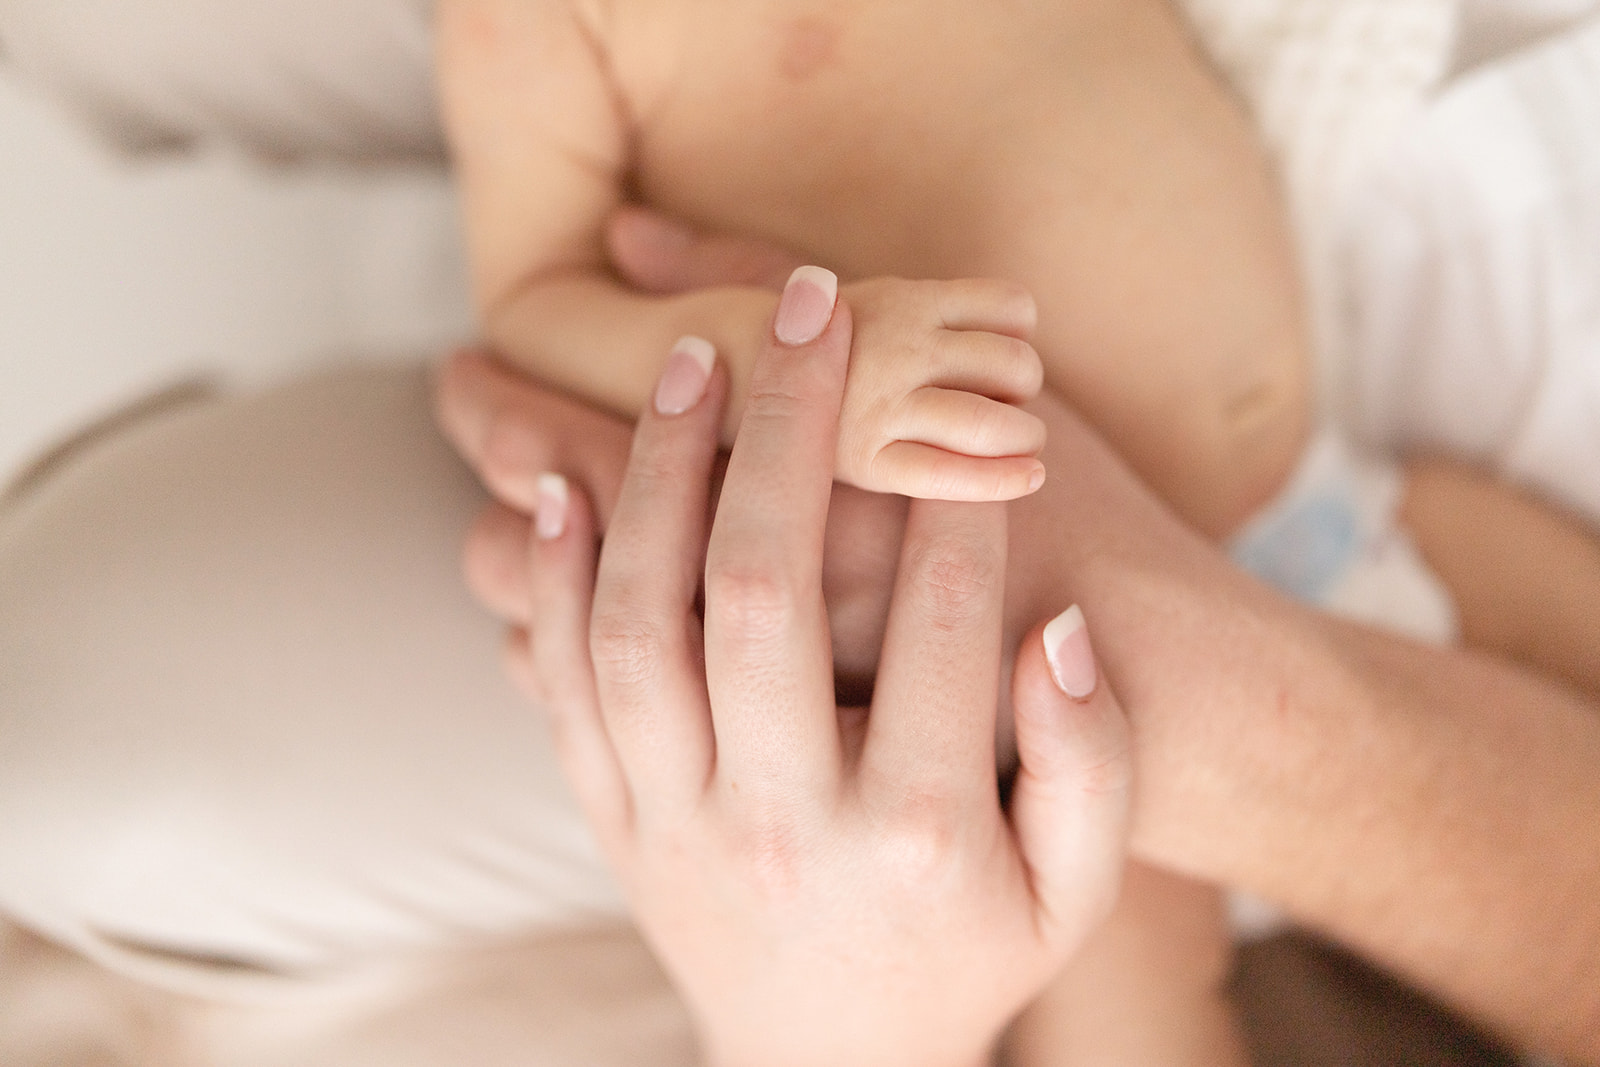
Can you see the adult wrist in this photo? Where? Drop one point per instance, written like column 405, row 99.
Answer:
column 1210, row 666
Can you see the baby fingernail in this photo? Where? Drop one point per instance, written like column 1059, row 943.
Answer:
column 807, row 305
column 550, row 512
column 1071, row 658
column 683, row 380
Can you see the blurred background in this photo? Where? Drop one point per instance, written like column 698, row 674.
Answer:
column 122, row 273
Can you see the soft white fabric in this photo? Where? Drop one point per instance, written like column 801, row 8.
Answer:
column 1472, row 272
column 592, row 997
column 254, row 730
column 1332, row 539
column 1329, row 82
column 341, row 78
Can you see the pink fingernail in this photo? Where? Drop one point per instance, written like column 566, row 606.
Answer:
column 550, row 514
column 1036, row 480
column 1071, row 658
column 683, row 380
column 807, row 305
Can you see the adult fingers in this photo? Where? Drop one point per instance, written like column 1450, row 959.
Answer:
column 510, row 429
column 554, row 665
column 932, row 473
column 1071, row 801
column 768, row 663
column 642, row 634
column 930, row 736
column 495, row 561
column 662, row 255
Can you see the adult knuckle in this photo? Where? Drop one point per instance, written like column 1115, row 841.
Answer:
column 625, row 648
column 655, row 466
column 777, row 396
column 1109, row 774
column 772, row 853
column 750, row 602
column 923, row 841
column 957, row 576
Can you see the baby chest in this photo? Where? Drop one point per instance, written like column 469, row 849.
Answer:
column 877, row 132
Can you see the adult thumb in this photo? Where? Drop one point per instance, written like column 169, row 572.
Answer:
column 1072, row 799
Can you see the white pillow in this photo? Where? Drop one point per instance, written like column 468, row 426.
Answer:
column 289, row 78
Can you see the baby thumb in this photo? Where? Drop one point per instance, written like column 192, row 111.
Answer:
column 1071, row 803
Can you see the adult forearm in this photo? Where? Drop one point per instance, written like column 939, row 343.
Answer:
column 1457, row 808
column 1434, row 809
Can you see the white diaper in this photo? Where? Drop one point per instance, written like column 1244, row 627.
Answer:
column 1331, row 539
column 1472, row 272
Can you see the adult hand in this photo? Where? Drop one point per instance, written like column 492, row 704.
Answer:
column 826, row 885
column 510, row 428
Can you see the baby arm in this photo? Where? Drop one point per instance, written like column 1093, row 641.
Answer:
column 540, row 145
column 1525, row 577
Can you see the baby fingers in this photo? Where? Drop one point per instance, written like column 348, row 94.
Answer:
column 993, row 364
column 965, row 422
column 989, row 304
column 923, row 471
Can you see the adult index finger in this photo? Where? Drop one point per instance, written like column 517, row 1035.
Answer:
column 930, row 738
column 769, row 666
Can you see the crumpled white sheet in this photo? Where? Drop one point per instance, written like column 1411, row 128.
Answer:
column 1470, row 270
column 1441, row 160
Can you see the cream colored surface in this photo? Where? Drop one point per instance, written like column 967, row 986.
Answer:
column 590, row 997
column 245, row 680
column 121, row 275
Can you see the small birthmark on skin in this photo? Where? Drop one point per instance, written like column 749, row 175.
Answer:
column 808, row 45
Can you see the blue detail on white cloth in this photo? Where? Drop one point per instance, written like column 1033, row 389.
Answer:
column 1304, row 549
column 1332, row 539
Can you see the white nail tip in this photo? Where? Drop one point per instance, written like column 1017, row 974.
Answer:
column 550, row 518
column 820, row 277
column 1062, row 627
column 699, row 349
column 554, row 487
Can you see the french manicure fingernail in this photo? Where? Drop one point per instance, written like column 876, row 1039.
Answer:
column 550, row 512
column 1071, row 657
column 683, row 380
column 807, row 305
column 1036, row 480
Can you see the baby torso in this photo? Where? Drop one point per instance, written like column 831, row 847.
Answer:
column 1081, row 147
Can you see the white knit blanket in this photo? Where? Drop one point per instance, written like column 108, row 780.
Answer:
column 1330, row 83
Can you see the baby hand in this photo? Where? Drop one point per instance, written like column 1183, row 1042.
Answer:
column 935, row 371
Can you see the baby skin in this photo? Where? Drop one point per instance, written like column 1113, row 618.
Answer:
column 1079, row 149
